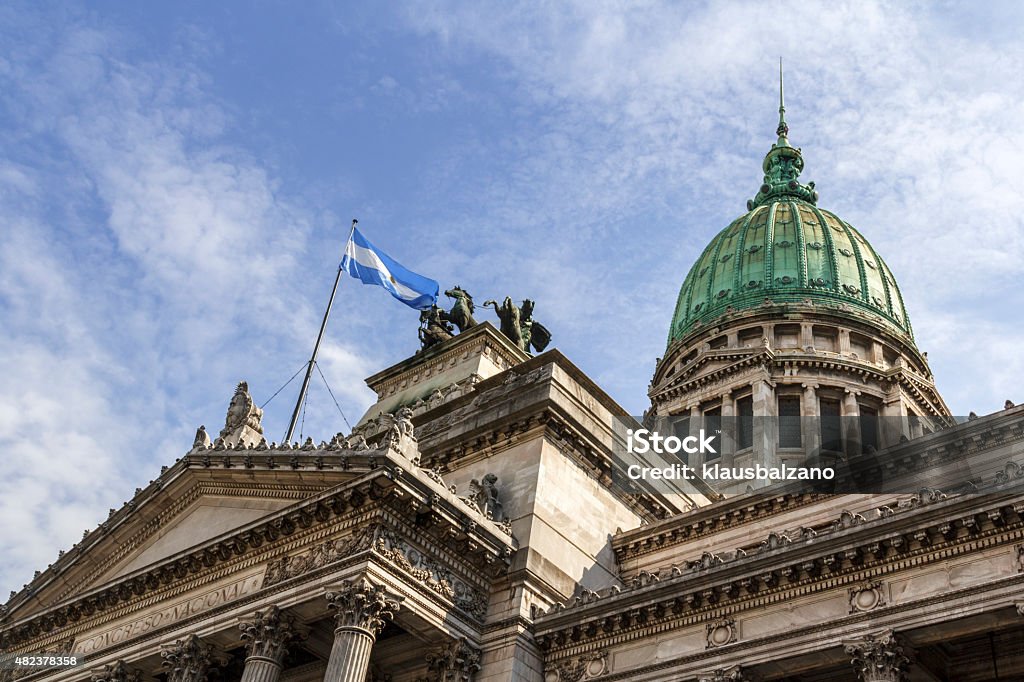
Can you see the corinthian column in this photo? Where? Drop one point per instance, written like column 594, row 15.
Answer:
column 266, row 642
column 361, row 609
column 457, row 661
column 878, row 658
column 189, row 660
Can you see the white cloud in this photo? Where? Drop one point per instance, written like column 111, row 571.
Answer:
column 636, row 110
column 146, row 266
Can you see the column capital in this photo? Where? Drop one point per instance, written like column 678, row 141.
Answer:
column 118, row 671
column 190, row 659
column 361, row 604
column 878, row 658
column 457, row 661
column 268, row 634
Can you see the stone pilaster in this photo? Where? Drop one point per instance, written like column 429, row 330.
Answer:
column 456, row 662
column 118, row 671
column 730, row 430
column 190, row 660
column 266, row 639
column 810, row 420
column 879, row 658
column 850, row 422
column 766, row 434
column 361, row 609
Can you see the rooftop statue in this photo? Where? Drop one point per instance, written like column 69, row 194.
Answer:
column 518, row 325
column 434, row 328
column 242, row 426
column 461, row 313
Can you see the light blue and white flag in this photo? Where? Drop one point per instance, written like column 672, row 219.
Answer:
column 370, row 265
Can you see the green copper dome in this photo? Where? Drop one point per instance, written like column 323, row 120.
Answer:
column 786, row 249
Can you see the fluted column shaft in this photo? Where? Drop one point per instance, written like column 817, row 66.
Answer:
column 361, row 610
column 350, row 655
column 259, row 669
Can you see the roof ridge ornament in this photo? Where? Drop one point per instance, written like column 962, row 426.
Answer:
column 782, row 165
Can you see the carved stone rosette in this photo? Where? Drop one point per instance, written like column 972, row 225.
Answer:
column 266, row 639
column 118, row 671
column 721, row 632
column 866, row 596
column 361, row 609
column 189, row 660
column 456, row 662
column 879, row 658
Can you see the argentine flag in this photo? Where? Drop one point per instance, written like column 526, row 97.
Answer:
column 370, row 265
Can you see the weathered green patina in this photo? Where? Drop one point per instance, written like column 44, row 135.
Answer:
column 786, row 249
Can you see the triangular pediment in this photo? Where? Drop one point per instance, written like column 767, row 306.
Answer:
column 182, row 513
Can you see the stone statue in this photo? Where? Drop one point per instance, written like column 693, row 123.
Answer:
column 434, row 329
column 202, row 438
column 461, row 313
column 242, row 425
column 485, row 494
column 403, row 419
column 354, row 441
column 518, row 325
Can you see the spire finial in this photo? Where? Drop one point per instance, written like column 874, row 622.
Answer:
column 782, row 165
column 783, row 130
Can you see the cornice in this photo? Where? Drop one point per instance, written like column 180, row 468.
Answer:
column 926, row 528
column 928, row 605
column 382, row 478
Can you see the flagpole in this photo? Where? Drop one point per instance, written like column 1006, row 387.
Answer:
column 316, row 347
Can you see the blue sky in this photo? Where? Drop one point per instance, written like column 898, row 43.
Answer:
column 176, row 180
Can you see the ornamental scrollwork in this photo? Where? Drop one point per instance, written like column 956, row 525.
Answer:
column 269, row 633
column 457, row 661
column 361, row 604
column 879, row 658
column 721, row 632
column 583, row 667
column 866, row 596
column 190, row 660
column 325, row 553
column 430, row 573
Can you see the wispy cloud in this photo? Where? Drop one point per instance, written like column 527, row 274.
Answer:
column 167, row 232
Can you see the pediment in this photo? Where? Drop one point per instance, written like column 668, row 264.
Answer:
column 180, row 514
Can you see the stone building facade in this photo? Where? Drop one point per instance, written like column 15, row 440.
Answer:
column 475, row 525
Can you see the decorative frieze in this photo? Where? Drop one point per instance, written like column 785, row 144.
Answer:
column 878, row 658
column 583, row 667
column 324, row 553
column 430, row 572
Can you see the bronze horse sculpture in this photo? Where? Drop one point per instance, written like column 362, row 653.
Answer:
column 518, row 325
column 461, row 313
